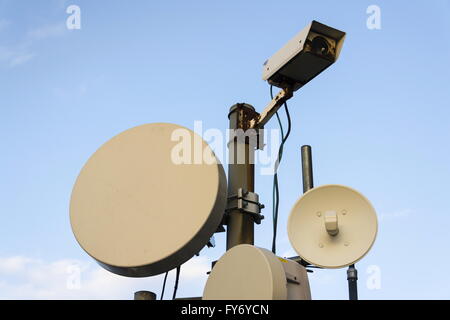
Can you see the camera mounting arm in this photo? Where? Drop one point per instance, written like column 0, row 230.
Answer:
column 273, row 106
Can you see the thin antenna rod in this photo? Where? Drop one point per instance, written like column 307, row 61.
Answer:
column 352, row 277
column 307, row 173
column 307, row 169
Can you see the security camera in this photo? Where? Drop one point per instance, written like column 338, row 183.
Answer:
column 310, row 52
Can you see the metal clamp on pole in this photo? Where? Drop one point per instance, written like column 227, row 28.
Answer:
column 246, row 202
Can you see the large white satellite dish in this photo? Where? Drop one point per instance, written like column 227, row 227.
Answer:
column 139, row 213
column 332, row 226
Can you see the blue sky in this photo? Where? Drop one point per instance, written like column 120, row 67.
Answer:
column 377, row 121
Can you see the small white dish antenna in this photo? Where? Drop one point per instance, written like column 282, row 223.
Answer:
column 138, row 211
column 332, row 226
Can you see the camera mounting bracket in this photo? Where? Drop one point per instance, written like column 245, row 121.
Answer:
column 273, row 106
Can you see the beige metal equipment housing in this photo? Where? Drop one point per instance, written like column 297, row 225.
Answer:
column 246, row 272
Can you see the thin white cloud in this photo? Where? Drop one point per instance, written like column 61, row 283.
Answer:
column 14, row 56
column 22, row 52
column 23, row 277
column 13, row 265
column 20, row 58
column 48, row 31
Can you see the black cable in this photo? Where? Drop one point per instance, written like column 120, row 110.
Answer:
column 275, row 210
column 164, row 285
column 275, row 191
column 276, row 113
column 276, row 194
column 177, row 278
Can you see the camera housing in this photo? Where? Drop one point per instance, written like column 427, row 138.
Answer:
column 305, row 56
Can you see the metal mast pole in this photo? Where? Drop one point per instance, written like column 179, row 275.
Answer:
column 241, row 175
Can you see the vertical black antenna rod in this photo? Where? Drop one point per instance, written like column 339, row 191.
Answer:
column 352, row 277
column 307, row 169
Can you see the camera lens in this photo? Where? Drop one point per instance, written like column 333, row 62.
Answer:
column 320, row 45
